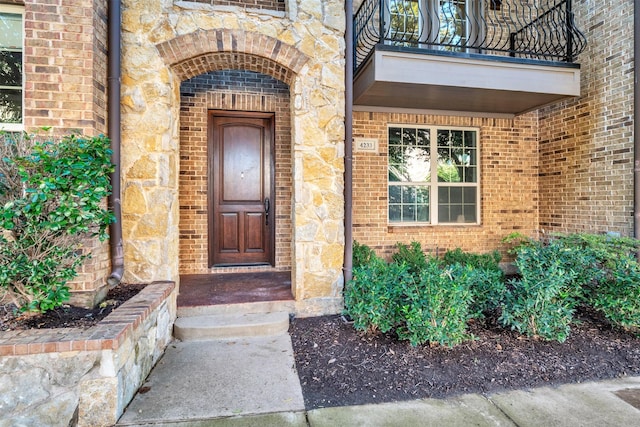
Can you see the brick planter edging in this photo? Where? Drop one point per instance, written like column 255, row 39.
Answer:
column 85, row 377
column 108, row 334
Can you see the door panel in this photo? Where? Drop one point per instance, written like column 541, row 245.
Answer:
column 240, row 179
column 229, row 239
column 254, row 222
column 242, row 164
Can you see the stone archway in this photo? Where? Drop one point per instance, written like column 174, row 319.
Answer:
column 151, row 161
column 196, row 70
column 197, row 53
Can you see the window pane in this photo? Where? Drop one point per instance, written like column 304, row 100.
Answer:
column 470, row 213
column 395, row 194
column 408, row 203
column 10, row 31
column 457, row 204
column 424, row 138
column 470, row 139
column 404, row 20
column 422, row 213
column 455, row 162
column 418, row 164
column 408, row 195
column 394, row 213
column 409, row 156
column 452, row 16
column 469, row 194
column 394, row 136
column 10, row 106
column 10, row 68
column 470, row 175
column 455, row 194
column 409, row 213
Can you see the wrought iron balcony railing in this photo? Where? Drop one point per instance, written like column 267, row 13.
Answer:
column 532, row 29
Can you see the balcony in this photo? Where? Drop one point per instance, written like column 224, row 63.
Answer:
column 478, row 56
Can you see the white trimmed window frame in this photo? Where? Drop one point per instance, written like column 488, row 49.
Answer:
column 15, row 127
column 427, row 212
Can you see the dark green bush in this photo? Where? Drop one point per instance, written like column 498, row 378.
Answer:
column 52, row 195
column 490, row 261
column 372, row 298
column 541, row 303
column 483, row 276
column 618, row 297
column 486, row 286
column 362, row 254
column 435, row 309
column 412, row 255
column 415, row 296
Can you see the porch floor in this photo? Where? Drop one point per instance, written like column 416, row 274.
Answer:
column 234, row 288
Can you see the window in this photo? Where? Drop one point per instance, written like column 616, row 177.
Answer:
column 420, row 193
column 443, row 24
column 11, row 34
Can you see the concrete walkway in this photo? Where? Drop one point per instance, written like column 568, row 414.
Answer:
column 253, row 382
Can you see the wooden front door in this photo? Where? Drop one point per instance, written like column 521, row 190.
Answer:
column 241, row 202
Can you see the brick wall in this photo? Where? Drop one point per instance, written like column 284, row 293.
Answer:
column 65, row 57
column 64, row 65
column 228, row 90
column 278, row 5
column 586, row 145
column 508, row 179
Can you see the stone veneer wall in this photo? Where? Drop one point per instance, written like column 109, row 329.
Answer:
column 586, row 144
column 240, row 91
column 165, row 43
column 85, row 377
column 508, row 179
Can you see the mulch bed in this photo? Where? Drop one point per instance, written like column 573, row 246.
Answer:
column 340, row 366
column 67, row 316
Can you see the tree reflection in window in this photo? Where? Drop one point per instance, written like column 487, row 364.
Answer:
column 409, row 175
column 10, row 68
column 416, row 191
column 453, row 23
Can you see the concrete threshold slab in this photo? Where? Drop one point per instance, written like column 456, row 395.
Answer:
column 206, row 380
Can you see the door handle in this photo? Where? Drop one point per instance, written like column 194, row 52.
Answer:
column 267, row 206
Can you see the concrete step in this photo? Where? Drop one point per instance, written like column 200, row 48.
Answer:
column 286, row 306
column 198, row 328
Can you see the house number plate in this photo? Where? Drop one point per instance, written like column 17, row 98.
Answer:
column 368, row 145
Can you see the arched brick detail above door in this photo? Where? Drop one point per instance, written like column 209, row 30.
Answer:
column 203, row 51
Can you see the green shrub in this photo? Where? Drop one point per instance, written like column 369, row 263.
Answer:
column 490, row 261
column 362, row 254
column 618, row 298
column 52, row 196
column 542, row 302
column 486, row 286
column 483, row 276
column 435, row 309
column 371, row 299
column 414, row 296
column 413, row 256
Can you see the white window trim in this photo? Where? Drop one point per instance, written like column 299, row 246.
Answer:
column 18, row 10
column 434, row 184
